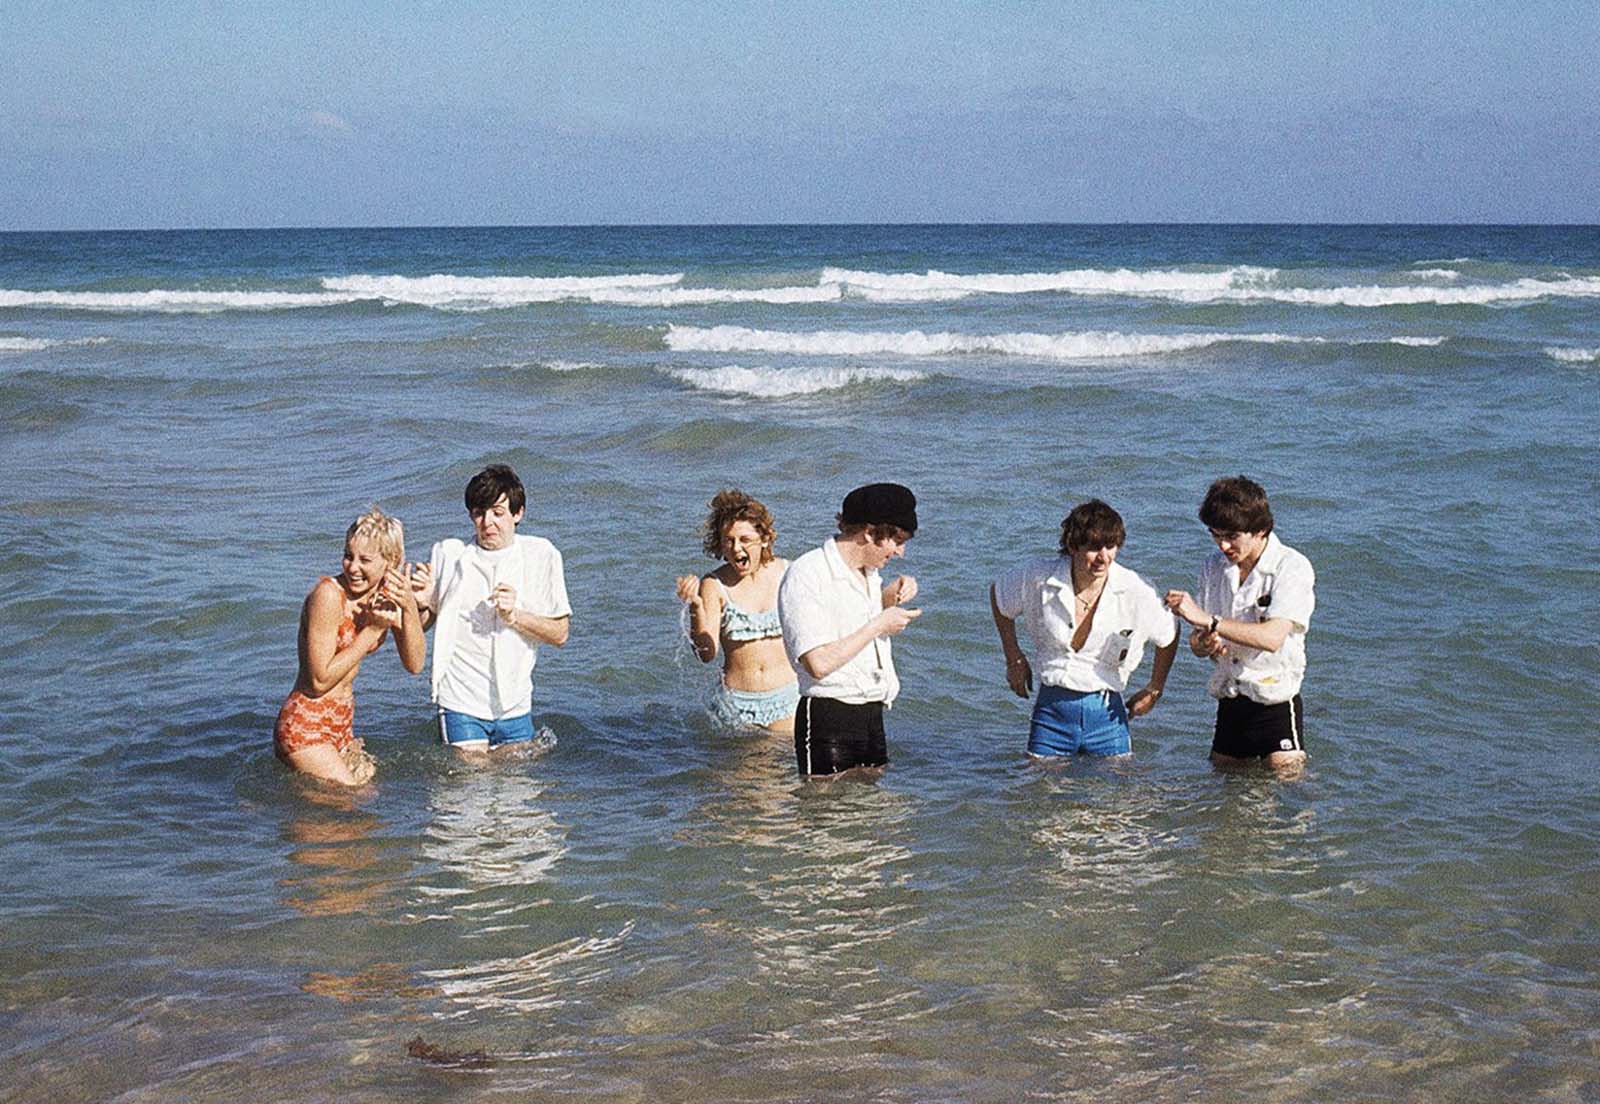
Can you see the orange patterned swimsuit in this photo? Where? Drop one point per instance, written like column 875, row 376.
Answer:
column 305, row 721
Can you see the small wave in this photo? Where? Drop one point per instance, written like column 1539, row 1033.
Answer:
column 776, row 383
column 1436, row 273
column 1418, row 342
column 1090, row 281
column 1525, row 290
column 684, row 297
column 1568, row 354
column 1240, row 284
column 35, row 344
column 173, row 301
column 492, row 292
column 1084, row 345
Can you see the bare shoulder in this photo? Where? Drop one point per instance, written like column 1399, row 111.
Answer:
column 326, row 599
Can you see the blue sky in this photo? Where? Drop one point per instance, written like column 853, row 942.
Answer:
column 181, row 113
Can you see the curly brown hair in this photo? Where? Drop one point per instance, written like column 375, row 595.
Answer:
column 731, row 506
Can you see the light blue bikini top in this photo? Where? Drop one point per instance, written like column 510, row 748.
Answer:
column 741, row 624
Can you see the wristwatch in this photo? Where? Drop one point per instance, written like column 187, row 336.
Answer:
column 1213, row 629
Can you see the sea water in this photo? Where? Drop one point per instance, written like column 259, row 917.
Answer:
column 654, row 909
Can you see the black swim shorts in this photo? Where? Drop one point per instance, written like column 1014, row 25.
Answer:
column 832, row 736
column 1250, row 730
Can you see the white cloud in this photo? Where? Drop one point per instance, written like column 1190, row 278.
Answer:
column 327, row 120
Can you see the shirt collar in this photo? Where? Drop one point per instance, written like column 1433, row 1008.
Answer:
column 841, row 570
column 1060, row 577
column 1266, row 564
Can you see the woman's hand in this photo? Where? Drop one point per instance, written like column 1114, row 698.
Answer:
column 378, row 614
column 689, row 589
column 400, row 589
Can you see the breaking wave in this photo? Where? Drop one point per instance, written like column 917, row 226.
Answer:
column 36, row 344
column 1569, row 354
column 1084, row 345
column 171, row 301
column 1236, row 284
column 493, row 292
column 777, row 383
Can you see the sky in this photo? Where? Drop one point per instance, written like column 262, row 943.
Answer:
column 348, row 113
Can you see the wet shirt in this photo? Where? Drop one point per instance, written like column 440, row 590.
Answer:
column 1130, row 613
column 1282, row 584
column 823, row 599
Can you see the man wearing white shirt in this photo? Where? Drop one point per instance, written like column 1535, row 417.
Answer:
column 1089, row 618
column 1250, row 618
column 492, row 603
column 837, row 619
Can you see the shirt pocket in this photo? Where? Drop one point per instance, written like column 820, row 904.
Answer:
column 1115, row 648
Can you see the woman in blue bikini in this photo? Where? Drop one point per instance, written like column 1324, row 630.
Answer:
column 734, row 610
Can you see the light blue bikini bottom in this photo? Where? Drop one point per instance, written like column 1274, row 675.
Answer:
column 755, row 708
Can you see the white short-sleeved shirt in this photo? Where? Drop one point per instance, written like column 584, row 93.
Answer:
column 1130, row 613
column 823, row 599
column 482, row 666
column 1281, row 584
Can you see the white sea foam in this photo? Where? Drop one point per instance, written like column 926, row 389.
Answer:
column 1240, row 284
column 1089, row 281
column 174, row 301
column 1525, row 290
column 1083, row 345
column 1418, row 342
column 1571, row 354
column 1436, row 273
column 492, row 292
column 777, row 383
column 683, row 297
column 23, row 344
column 35, row 344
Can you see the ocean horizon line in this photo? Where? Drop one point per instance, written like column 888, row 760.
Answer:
column 841, row 224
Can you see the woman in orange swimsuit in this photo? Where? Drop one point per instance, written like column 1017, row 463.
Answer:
column 343, row 620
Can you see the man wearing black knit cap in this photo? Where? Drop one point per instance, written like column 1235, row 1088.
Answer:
column 837, row 619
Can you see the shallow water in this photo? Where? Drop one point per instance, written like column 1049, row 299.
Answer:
column 655, row 910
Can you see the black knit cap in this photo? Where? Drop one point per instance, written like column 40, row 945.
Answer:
column 881, row 504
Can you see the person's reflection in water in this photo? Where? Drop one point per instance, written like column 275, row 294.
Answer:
column 491, row 838
column 342, row 868
column 341, row 871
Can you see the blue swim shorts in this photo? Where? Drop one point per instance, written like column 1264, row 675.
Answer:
column 755, row 708
column 1073, row 722
column 462, row 728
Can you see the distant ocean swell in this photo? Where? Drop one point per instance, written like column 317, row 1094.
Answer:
column 1237, row 284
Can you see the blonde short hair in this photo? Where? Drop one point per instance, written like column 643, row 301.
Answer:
column 384, row 531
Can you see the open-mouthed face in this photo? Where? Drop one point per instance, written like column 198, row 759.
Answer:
column 742, row 545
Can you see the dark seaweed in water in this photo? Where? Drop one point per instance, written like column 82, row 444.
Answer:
column 445, row 1056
